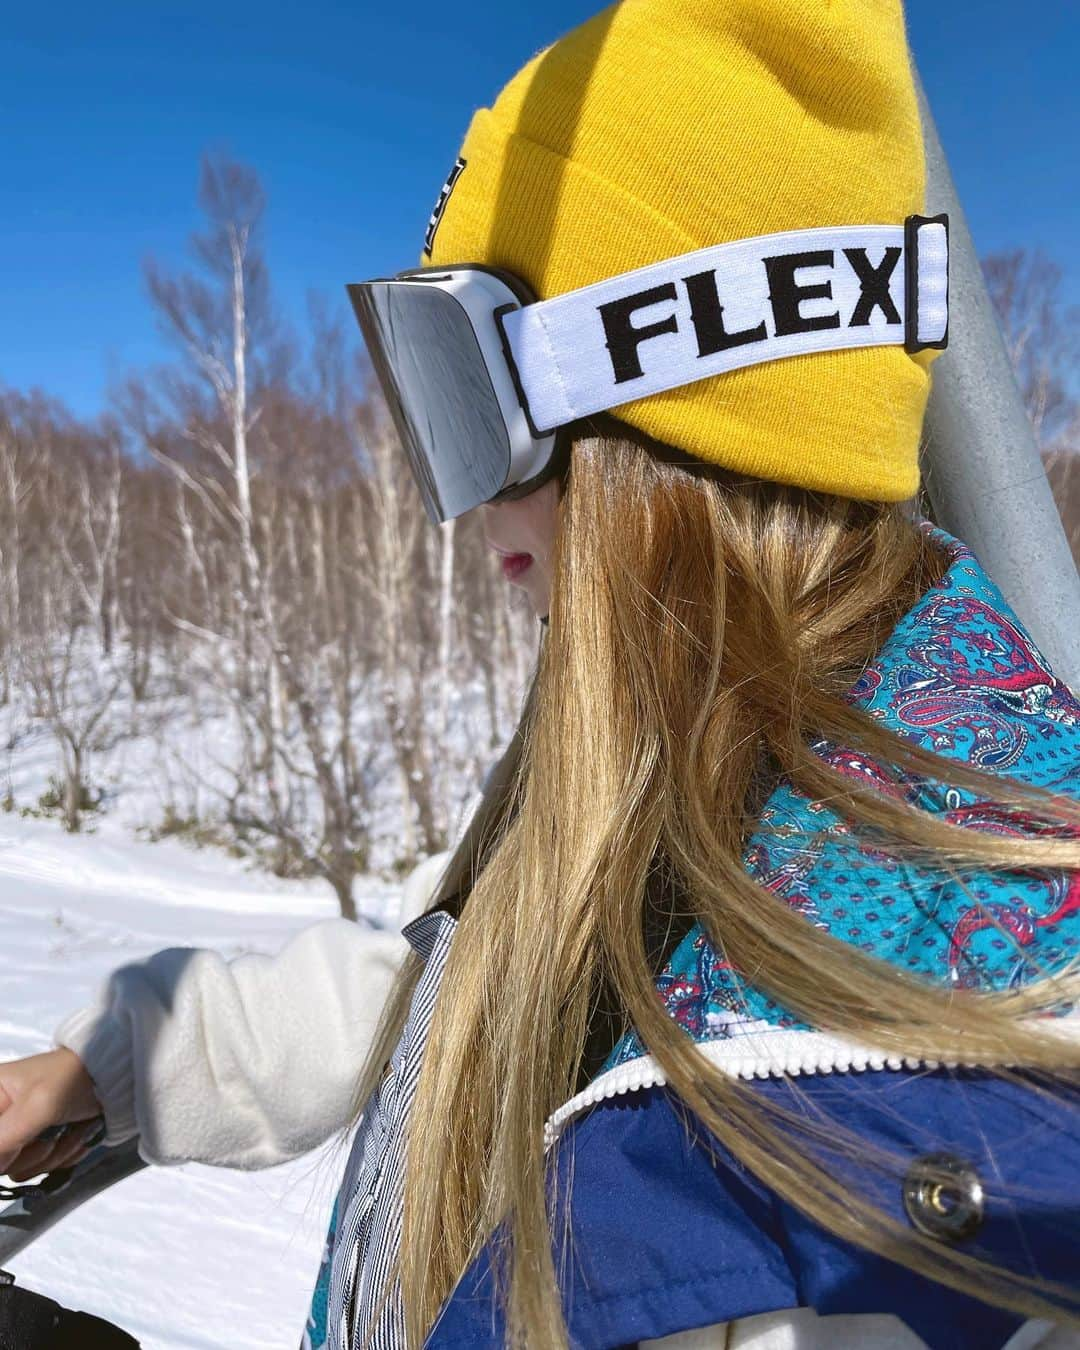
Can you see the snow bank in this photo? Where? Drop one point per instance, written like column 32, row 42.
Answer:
column 181, row 1257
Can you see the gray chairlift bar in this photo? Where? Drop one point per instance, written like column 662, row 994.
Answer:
column 37, row 1208
column 981, row 466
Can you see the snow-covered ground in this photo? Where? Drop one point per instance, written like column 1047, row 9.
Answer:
column 189, row 1256
column 169, row 757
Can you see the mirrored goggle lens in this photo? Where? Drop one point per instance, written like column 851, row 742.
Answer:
column 433, row 374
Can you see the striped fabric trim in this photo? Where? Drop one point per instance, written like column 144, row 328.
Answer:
column 367, row 1239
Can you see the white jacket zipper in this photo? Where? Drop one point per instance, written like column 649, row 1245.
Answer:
column 757, row 1050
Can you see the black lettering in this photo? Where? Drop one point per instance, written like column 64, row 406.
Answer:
column 623, row 339
column 874, row 284
column 708, row 315
column 440, row 205
column 786, row 296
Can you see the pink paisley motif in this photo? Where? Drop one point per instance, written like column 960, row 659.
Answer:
column 865, row 687
column 683, row 998
column 997, row 741
column 1020, row 919
column 1070, row 905
column 963, row 622
column 1017, row 921
column 997, row 818
column 864, row 770
column 784, row 879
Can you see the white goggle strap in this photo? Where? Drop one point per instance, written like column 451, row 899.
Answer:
column 732, row 305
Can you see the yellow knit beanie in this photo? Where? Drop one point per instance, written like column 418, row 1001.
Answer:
column 664, row 126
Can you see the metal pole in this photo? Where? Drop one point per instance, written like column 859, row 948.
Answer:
column 27, row 1217
column 981, row 466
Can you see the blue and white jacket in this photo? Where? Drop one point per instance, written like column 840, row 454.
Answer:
column 670, row 1234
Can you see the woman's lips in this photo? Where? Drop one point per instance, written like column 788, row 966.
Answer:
column 513, row 564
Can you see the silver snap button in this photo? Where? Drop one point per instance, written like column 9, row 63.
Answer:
column 943, row 1197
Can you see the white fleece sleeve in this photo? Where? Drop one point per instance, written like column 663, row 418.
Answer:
column 243, row 1063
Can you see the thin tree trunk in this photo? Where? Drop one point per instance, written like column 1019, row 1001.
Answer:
column 73, row 787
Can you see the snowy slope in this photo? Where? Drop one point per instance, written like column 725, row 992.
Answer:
column 182, row 1257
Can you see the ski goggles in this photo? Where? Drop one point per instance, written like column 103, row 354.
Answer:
column 484, row 381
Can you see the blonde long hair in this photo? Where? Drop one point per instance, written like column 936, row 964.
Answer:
column 703, row 630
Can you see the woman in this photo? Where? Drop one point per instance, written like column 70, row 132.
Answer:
column 792, row 792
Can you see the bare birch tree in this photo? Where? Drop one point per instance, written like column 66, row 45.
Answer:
column 15, row 472
column 67, row 585
column 254, row 560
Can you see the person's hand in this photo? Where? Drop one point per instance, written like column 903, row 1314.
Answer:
column 40, row 1093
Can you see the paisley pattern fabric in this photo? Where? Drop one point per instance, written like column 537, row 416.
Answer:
column 959, row 676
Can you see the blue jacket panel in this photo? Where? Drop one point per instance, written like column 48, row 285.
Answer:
column 670, row 1234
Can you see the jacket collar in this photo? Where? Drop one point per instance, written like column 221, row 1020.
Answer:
column 959, row 675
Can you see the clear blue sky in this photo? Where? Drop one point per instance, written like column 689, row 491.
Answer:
column 352, row 114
